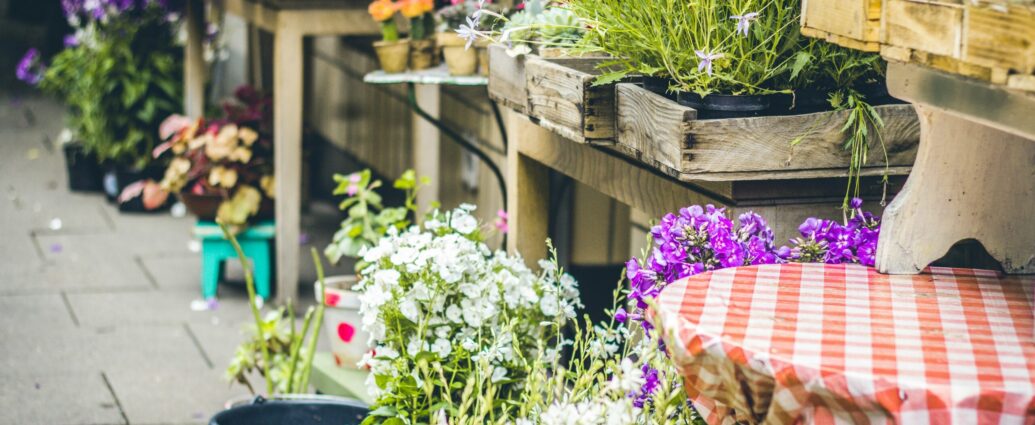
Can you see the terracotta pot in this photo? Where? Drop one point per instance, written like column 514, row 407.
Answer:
column 422, row 54
column 460, row 61
column 205, row 207
column 392, row 55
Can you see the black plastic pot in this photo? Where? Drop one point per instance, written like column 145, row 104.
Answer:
column 658, row 85
column 317, row 410
column 125, row 176
column 84, row 173
column 725, row 106
column 803, row 101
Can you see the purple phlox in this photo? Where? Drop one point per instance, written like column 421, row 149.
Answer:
column 706, row 59
column 30, row 69
column 744, row 22
column 651, row 381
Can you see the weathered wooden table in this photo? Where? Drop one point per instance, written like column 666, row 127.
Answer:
column 969, row 68
column 290, row 21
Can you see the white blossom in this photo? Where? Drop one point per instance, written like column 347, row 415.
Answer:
column 442, row 347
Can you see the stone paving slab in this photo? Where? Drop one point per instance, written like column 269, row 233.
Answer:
column 66, row 398
column 171, row 395
column 114, row 275
column 46, row 309
column 150, row 307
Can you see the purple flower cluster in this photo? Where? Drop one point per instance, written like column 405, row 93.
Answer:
column 101, row 10
column 826, row 241
column 702, row 239
column 30, row 69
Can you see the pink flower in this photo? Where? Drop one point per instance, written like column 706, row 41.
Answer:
column 501, row 221
column 354, row 180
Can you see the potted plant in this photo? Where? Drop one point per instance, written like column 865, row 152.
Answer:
column 422, row 27
column 282, row 357
column 460, row 58
column 118, row 73
column 392, row 52
column 222, row 169
column 366, row 222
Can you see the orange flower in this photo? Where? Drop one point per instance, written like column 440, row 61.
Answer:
column 427, row 5
column 414, row 8
column 382, row 10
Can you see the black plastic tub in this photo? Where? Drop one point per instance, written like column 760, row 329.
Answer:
column 658, row 85
column 84, row 172
column 310, row 410
column 726, row 106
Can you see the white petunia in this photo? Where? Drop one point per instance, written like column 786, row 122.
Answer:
column 463, row 223
column 442, row 331
column 404, row 255
column 410, row 310
column 454, row 314
column 498, row 374
column 416, row 346
column 469, row 345
column 550, row 305
column 388, row 277
column 442, row 347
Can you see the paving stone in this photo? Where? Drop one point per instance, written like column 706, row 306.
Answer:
column 115, row 274
column 172, row 306
column 48, row 309
column 159, row 394
column 67, row 398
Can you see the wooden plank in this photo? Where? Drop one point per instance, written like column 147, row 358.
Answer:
column 426, row 144
column 287, row 158
column 562, row 96
column 853, row 19
column 764, row 143
column 851, row 43
column 528, row 191
column 507, row 79
column 988, row 104
column 1021, row 82
column 652, row 128
column 633, row 185
column 970, row 182
column 1000, row 38
column 929, row 27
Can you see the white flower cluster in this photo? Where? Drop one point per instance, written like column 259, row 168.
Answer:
column 609, row 407
column 438, row 289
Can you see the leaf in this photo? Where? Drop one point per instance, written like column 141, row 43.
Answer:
column 610, row 77
column 801, row 59
column 383, row 411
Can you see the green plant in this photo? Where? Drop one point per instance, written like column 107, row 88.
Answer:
column 539, row 24
column 367, row 220
column 275, row 349
column 121, row 78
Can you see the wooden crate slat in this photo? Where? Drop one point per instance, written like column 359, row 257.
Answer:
column 562, row 97
column 931, row 27
column 507, row 79
column 999, row 38
column 668, row 137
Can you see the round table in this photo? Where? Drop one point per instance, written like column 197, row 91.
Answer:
column 818, row 343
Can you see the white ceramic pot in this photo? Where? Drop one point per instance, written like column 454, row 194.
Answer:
column 342, row 322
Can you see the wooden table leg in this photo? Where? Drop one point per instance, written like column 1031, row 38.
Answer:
column 970, row 181
column 287, row 160
column 194, row 60
column 528, row 192
column 426, row 146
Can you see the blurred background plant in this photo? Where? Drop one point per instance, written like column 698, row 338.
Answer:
column 119, row 73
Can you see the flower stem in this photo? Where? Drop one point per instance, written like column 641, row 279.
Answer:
column 250, row 284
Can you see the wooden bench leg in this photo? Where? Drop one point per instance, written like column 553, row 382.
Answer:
column 528, row 194
column 970, row 181
column 194, row 61
column 287, row 156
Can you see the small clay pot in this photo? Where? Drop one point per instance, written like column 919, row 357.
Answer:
column 422, row 54
column 392, row 55
column 459, row 59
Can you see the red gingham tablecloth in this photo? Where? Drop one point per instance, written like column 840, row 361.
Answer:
column 817, row 343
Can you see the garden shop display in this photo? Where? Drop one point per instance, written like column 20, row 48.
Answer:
column 119, row 74
column 460, row 58
column 540, row 24
column 726, row 59
column 475, row 337
column 222, row 169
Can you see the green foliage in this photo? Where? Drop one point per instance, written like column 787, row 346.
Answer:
column 367, row 220
column 119, row 82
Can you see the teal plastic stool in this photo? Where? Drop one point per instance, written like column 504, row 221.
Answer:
column 255, row 242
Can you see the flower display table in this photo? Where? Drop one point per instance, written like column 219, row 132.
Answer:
column 290, row 22
column 820, row 343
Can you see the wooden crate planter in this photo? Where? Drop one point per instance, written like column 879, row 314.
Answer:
column 669, row 137
column 562, row 97
column 507, row 79
column 850, row 23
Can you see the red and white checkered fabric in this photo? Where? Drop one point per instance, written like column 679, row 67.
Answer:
column 815, row 343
